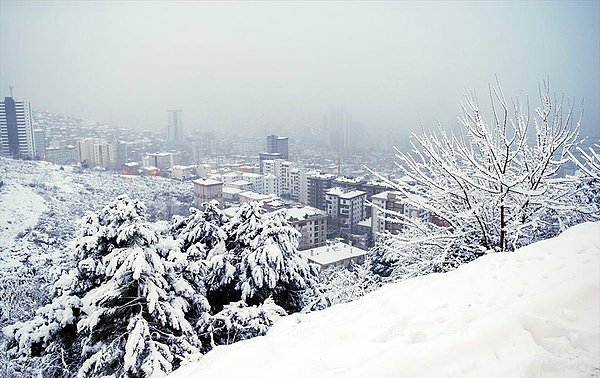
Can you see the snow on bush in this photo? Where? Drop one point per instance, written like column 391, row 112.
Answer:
column 238, row 321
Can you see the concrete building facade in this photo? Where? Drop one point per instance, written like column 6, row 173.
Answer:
column 346, row 208
column 312, row 225
column 206, row 190
column 16, row 129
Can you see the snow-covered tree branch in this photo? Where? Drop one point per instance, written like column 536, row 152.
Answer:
column 492, row 186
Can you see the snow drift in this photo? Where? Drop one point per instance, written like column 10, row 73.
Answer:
column 534, row 312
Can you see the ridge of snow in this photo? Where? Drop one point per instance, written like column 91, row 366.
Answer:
column 534, row 312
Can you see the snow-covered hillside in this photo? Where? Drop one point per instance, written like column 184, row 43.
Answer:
column 21, row 209
column 534, row 312
column 40, row 204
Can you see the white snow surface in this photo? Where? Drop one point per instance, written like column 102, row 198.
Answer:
column 534, row 312
column 20, row 209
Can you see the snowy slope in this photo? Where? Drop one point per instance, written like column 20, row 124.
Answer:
column 20, row 209
column 534, row 312
column 40, row 204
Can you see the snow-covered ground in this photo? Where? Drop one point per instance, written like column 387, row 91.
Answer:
column 533, row 313
column 40, row 204
column 20, row 210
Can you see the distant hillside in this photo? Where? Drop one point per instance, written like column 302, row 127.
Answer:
column 40, row 204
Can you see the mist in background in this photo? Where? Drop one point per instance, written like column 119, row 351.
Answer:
column 252, row 67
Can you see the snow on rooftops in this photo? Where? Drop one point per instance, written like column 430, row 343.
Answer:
column 330, row 254
column 349, row 180
column 241, row 183
column 207, row 182
column 384, row 195
column 160, row 154
column 305, row 212
column 365, row 223
column 380, row 184
column 319, row 175
column 250, row 174
column 533, row 312
column 231, row 174
column 336, row 191
column 352, row 194
column 132, row 164
column 276, row 203
column 256, row 196
column 230, row 190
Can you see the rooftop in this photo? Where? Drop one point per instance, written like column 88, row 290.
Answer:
column 230, row 190
column 366, row 222
column 335, row 191
column 255, row 196
column 305, row 212
column 341, row 193
column 332, row 253
column 352, row 194
column 184, row 167
column 322, row 176
column 207, row 182
column 350, row 180
column 250, row 174
column 160, row 154
column 241, row 183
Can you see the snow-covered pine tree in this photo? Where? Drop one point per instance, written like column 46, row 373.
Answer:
column 111, row 308
column 198, row 234
column 136, row 324
column 202, row 230
column 52, row 333
column 222, row 276
column 270, row 265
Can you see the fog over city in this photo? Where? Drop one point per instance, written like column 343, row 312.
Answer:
column 274, row 67
column 317, row 189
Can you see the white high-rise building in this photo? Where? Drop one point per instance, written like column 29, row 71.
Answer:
column 271, row 184
column 85, row 149
column 96, row 152
column 16, row 129
column 104, row 154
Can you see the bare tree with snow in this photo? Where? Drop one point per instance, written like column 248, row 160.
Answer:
column 490, row 187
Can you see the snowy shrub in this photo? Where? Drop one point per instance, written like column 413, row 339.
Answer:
column 398, row 257
column 20, row 292
column 341, row 285
column 238, row 321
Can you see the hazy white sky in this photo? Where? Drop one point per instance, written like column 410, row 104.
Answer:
column 268, row 64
